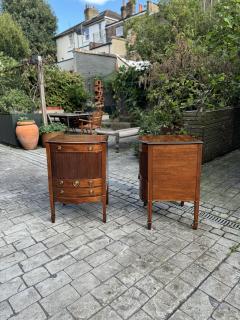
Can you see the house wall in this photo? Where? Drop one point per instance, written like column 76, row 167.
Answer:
column 64, row 50
column 117, row 46
column 67, row 65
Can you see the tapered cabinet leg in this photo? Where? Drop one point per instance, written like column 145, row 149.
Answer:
column 196, row 215
column 107, row 196
column 182, row 203
column 104, row 202
column 52, row 205
column 149, row 225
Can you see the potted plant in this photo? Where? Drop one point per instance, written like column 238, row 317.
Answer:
column 27, row 133
column 170, row 161
column 50, row 131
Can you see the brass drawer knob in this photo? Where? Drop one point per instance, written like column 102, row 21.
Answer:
column 59, row 148
column 76, row 183
column 90, row 183
column 91, row 191
column 90, row 148
column 62, row 191
column 61, row 182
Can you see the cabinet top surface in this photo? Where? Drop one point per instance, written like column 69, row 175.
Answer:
column 169, row 139
column 78, row 139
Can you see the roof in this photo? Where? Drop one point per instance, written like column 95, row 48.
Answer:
column 107, row 13
column 121, row 20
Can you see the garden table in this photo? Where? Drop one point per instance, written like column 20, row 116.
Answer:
column 69, row 118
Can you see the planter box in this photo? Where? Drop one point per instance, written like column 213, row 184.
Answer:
column 8, row 127
column 169, row 170
column 219, row 130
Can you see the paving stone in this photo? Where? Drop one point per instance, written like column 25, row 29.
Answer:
column 108, row 291
column 234, row 260
column 199, row 306
column 23, row 243
column 59, row 299
column 226, row 312
column 55, row 240
column 100, row 243
column 132, row 238
column 10, row 288
column 60, row 263
column 194, row 275
column 10, row 273
column 181, row 260
column 84, row 307
column 194, row 250
column 166, row 273
column 40, row 236
column 129, row 276
column 140, row 315
column 76, row 242
column 227, row 274
column 5, row 310
column 36, row 275
column 107, row 270
column 34, row 262
column 35, row 249
column 126, row 257
column 106, row 313
column 215, row 288
column 129, row 302
column 99, row 257
column 63, row 315
column 234, row 297
column 94, row 234
column 179, row 289
column 24, row 299
column 57, row 251
column 32, row 312
column 180, row 315
column 77, row 269
column 11, row 260
column 85, row 283
column 149, row 285
column 161, row 305
column 53, row 283
column 207, row 262
column 162, row 254
column 6, row 250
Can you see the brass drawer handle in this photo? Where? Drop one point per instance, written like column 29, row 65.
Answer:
column 62, row 191
column 91, row 191
column 76, row 183
column 61, row 182
column 59, row 148
column 90, row 148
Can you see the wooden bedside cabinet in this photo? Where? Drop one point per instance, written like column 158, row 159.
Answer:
column 77, row 170
column 170, row 170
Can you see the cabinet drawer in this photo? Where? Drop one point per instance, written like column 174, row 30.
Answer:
column 76, row 148
column 77, row 192
column 77, row 183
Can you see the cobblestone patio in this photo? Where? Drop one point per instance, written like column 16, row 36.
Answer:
column 80, row 268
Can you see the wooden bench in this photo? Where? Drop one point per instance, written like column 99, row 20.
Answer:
column 118, row 134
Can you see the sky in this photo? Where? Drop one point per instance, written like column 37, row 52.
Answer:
column 71, row 12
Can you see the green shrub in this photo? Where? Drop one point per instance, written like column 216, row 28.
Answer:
column 16, row 101
column 53, row 127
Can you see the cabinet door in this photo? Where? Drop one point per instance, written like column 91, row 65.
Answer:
column 76, row 162
column 175, row 172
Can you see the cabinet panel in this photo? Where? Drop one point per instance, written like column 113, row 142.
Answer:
column 58, row 147
column 82, row 183
column 77, row 192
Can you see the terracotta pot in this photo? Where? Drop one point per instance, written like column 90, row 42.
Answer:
column 50, row 135
column 28, row 134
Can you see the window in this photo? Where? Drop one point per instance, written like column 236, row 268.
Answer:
column 86, row 34
column 71, row 41
column 119, row 31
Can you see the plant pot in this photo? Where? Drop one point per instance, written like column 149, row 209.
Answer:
column 50, row 135
column 28, row 134
column 170, row 168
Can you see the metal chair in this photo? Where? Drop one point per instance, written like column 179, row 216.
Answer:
column 93, row 123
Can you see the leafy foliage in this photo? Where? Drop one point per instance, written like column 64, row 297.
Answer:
column 15, row 101
column 38, row 23
column 12, row 40
column 53, row 127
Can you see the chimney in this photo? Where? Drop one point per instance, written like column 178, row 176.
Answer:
column 90, row 12
column 130, row 8
column 140, row 8
column 123, row 10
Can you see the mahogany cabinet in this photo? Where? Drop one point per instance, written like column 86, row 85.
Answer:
column 77, row 170
column 170, row 169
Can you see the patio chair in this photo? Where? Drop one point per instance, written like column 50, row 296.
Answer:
column 93, row 123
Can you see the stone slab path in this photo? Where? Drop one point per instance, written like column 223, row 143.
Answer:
column 80, row 268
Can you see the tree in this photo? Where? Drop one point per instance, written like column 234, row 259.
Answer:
column 12, row 40
column 38, row 23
